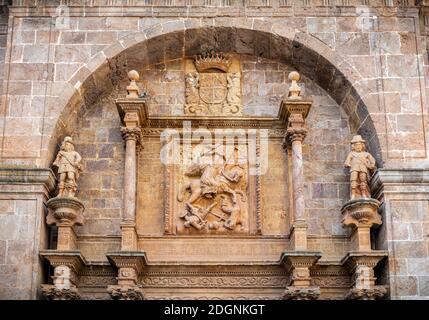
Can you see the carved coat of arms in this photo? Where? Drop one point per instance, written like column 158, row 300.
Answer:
column 213, row 88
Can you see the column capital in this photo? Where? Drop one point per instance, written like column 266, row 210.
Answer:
column 295, row 112
column 295, row 134
column 131, row 133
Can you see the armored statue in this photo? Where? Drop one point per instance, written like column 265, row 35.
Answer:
column 69, row 168
column 361, row 164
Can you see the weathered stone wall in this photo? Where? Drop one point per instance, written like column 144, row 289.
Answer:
column 382, row 56
column 405, row 231
column 4, row 19
column 366, row 68
column 99, row 141
column 23, row 231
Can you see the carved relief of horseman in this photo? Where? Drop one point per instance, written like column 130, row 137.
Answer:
column 208, row 181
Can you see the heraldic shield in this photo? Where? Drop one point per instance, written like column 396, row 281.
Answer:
column 213, row 87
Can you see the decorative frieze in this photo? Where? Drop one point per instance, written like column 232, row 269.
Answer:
column 215, row 281
column 222, row 3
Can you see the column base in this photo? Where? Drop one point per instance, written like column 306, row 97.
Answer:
column 298, row 236
column 300, row 293
column 374, row 293
column 129, row 237
column 120, row 292
column 51, row 292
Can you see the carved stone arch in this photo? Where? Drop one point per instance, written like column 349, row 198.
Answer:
column 310, row 56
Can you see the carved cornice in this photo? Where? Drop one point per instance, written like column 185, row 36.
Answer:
column 152, row 123
column 289, row 107
column 132, row 110
column 369, row 259
column 28, row 176
column 256, row 4
column 72, row 259
column 217, row 122
column 128, row 259
column 50, row 292
column 156, row 132
column 398, row 177
column 295, row 259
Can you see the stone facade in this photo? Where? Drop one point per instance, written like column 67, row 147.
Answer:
column 364, row 71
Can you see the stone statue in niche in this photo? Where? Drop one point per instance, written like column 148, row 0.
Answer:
column 215, row 193
column 361, row 164
column 213, row 85
column 69, row 168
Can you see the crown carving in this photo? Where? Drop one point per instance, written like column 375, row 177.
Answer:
column 212, row 60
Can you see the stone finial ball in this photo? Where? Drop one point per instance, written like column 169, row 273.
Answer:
column 133, row 75
column 294, row 76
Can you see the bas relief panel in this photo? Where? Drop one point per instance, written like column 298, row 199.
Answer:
column 213, row 194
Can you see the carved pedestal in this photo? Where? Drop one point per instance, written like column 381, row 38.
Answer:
column 67, row 265
column 65, row 213
column 361, row 265
column 130, row 266
column 129, row 236
column 298, row 265
column 361, row 215
column 298, row 236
